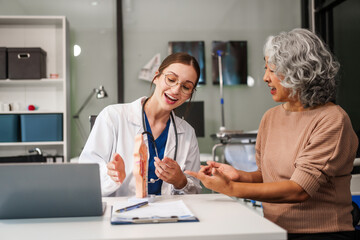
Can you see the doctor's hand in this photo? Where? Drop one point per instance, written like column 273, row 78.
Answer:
column 169, row 171
column 215, row 180
column 116, row 169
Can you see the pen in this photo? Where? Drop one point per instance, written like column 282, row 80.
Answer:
column 138, row 205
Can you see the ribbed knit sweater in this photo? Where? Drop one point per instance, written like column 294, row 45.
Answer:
column 316, row 149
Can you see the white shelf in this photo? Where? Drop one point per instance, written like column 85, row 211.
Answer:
column 23, row 82
column 54, row 143
column 50, row 95
column 30, row 112
column 32, row 20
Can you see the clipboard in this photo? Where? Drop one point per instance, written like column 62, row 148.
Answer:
column 158, row 212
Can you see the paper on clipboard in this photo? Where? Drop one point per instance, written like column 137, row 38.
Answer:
column 174, row 211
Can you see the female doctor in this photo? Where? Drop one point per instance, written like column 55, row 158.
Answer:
column 171, row 141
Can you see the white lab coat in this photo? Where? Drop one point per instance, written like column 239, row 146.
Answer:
column 114, row 132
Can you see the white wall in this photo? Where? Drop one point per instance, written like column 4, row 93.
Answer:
column 150, row 24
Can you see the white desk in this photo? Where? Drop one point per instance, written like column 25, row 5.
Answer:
column 220, row 218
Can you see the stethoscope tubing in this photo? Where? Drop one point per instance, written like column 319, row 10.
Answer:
column 152, row 137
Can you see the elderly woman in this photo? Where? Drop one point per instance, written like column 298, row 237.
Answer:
column 305, row 147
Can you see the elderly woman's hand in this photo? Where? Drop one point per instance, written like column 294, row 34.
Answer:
column 226, row 169
column 216, row 180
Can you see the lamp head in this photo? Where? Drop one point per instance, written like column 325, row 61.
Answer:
column 100, row 92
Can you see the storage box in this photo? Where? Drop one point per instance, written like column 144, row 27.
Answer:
column 26, row 63
column 9, row 128
column 41, row 127
column 23, row 159
column 3, row 63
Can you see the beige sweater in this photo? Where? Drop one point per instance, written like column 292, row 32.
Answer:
column 315, row 149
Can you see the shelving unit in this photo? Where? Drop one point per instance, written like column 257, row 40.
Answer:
column 49, row 95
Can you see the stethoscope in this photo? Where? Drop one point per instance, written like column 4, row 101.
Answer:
column 152, row 137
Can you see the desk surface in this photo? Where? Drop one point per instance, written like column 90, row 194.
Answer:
column 220, row 218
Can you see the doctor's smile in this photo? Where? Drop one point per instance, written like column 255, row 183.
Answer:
column 169, row 99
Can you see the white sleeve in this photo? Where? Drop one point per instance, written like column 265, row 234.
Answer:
column 192, row 163
column 99, row 148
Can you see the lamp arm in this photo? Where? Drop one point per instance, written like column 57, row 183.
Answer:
column 84, row 104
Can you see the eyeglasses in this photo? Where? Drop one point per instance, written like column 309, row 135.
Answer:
column 172, row 80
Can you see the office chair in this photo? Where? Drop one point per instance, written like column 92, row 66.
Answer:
column 355, row 190
column 92, row 119
column 355, row 214
column 356, row 217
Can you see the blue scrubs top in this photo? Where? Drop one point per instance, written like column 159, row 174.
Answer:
column 155, row 188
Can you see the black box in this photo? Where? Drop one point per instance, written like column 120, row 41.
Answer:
column 23, row 159
column 26, row 63
column 3, row 63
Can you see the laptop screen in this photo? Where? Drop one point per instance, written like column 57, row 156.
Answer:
column 38, row 190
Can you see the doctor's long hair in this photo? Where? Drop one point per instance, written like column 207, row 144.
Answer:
column 184, row 58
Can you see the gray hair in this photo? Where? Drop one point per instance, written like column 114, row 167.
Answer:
column 308, row 67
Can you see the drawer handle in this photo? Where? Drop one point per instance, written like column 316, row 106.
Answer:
column 23, row 55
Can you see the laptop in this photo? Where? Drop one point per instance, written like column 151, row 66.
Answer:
column 45, row 190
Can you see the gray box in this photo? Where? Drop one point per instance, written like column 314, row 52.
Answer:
column 26, row 63
column 3, row 63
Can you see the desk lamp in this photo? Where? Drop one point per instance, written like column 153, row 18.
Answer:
column 100, row 93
